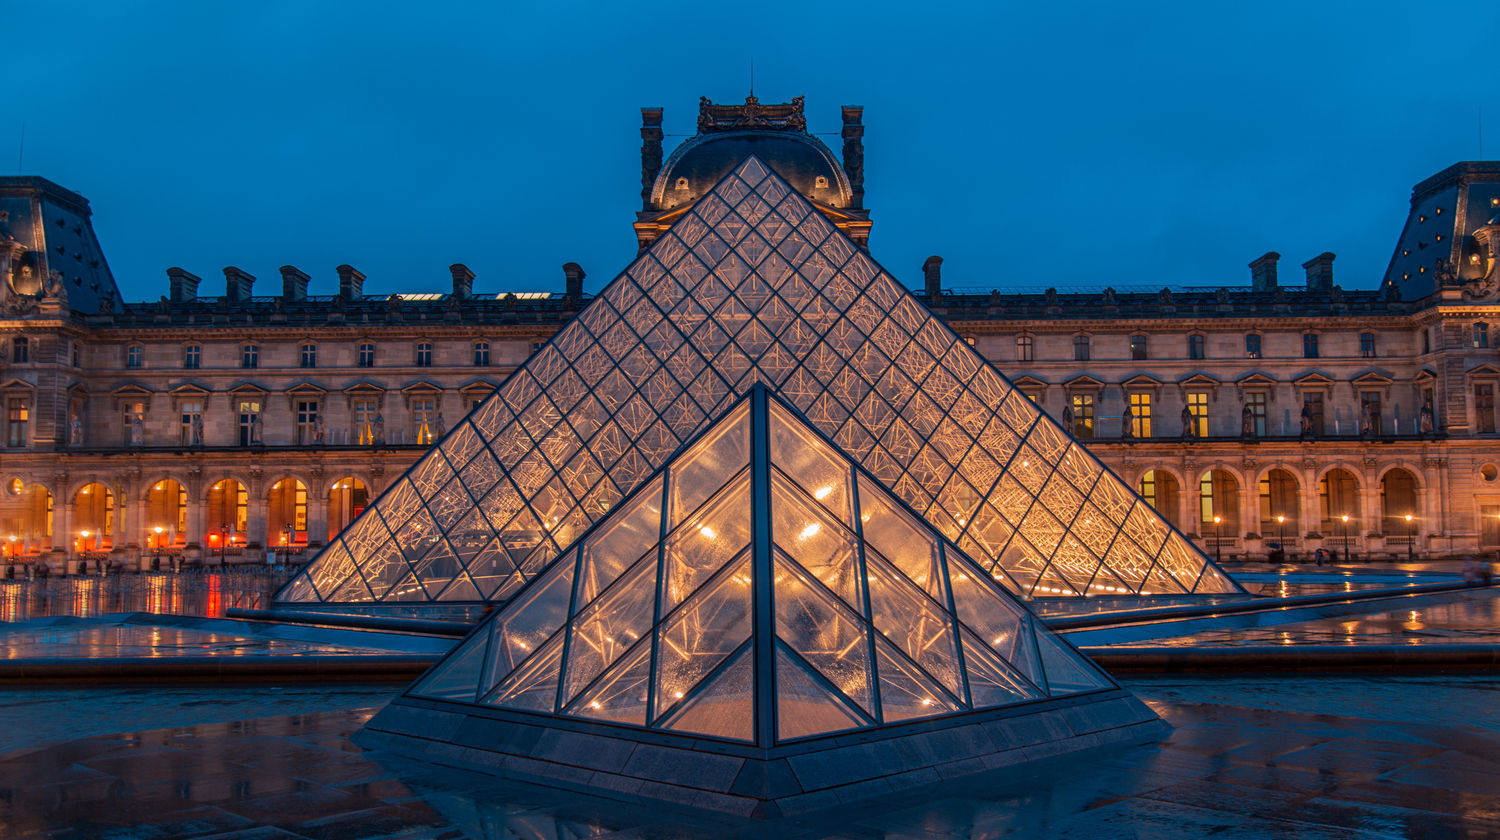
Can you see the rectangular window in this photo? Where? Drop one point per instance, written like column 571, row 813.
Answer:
column 424, row 355
column 365, row 411
column 1312, row 408
column 1195, row 346
column 1489, row 526
column 1369, row 405
column 423, row 418
column 1309, row 345
column 18, row 415
column 481, row 353
column 1140, row 415
column 21, row 350
column 1080, row 348
column 192, row 416
column 309, row 356
column 1257, row 404
column 1482, row 335
column 1024, row 346
column 1252, row 346
column 135, row 422
column 1197, row 403
column 250, row 431
column 1367, row 345
column 135, row 356
column 192, row 356
column 1484, row 409
column 307, row 422
column 250, row 356
column 1083, row 416
column 1137, row 348
column 367, row 355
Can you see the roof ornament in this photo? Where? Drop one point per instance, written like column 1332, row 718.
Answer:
column 786, row 116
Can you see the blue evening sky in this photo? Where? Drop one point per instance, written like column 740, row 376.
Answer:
column 1075, row 145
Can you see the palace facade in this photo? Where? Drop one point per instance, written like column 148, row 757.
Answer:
column 220, row 426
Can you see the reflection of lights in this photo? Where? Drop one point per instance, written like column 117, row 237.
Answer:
column 927, row 701
column 810, row 531
column 823, row 492
column 708, row 532
column 677, row 694
column 594, row 704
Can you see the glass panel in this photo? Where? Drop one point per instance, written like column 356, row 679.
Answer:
column 987, row 613
column 803, row 707
column 707, row 541
column 618, row 619
column 697, row 637
column 905, row 692
column 811, row 624
column 461, row 589
column 702, row 470
column 530, row 619
column 899, row 539
column 910, row 620
column 809, row 461
column 634, row 529
column 457, row 677
column 1067, row 671
column 725, row 707
column 822, row 546
column 991, row 681
column 532, row 688
column 620, row 695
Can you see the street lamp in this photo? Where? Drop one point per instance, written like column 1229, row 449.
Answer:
column 223, row 544
column 1411, row 535
column 156, row 552
column 1345, row 519
column 1218, row 539
column 1281, row 535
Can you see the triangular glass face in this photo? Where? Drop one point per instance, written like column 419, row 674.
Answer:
column 753, row 285
column 671, row 633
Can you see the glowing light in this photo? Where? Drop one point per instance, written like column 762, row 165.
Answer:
column 927, row 701
column 595, row 705
column 823, row 492
column 810, row 531
column 708, row 532
column 677, row 694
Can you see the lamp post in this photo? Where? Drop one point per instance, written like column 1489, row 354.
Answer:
column 1218, row 539
column 223, row 544
column 156, row 552
column 1281, row 533
column 1411, row 535
column 1345, row 520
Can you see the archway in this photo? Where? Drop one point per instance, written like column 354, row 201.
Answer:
column 26, row 520
column 226, row 515
column 94, row 518
column 1398, row 499
column 1338, row 497
column 166, row 514
column 1279, row 505
column 1219, row 497
column 286, row 513
column 347, row 499
column 1159, row 489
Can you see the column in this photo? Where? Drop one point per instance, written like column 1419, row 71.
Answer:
column 317, row 513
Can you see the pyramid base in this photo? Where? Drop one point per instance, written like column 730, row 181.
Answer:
column 798, row 778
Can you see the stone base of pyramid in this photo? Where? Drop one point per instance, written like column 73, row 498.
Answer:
column 796, row 778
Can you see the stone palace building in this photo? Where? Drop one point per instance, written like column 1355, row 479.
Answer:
column 220, row 426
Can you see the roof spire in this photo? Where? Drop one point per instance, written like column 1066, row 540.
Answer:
column 752, row 77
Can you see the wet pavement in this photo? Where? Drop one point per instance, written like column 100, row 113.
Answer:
column 1249, row 758
column 198, row 592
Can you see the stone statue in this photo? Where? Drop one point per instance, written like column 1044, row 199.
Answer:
column 75, row 431
column 255, row 429
column 1247, row 421
column 56, row 288
column 1366, row 427
column 1425, row 422
column 1068, row 418
column 318, row 430
column 1126, row 422
column 1306, row 419
column 378, row 433
column 197, row 429
column 442, row 425
column 137, row 430
column 1188, row 427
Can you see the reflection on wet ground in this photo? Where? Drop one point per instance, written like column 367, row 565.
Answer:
column 1249, row 758
column 199, row 592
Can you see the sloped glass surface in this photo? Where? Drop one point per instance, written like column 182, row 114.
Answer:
column 701, row 471
column 804, row 707
column 1067, row 671
column 629, row 535
column 535, row 617
column 733, row 295
column 906, row 693
column 900, row 539
column 820, row 544
column 911, row 621
column 706, row 541
column 533, row 686
column 620, row 695
column 811, row 623
column 803, row 457
column 457, row 678
column 616, row 620
column 725, row 707
column 701, row 632
column 993, row 682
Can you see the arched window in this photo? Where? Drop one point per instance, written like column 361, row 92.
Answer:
column 226, row 514
column 347, row 499
column 1398, row 497
column 1338, row 497
column 166, row 514
column 1279, row 494
column 26, row 524
column 1219, row 498
column 286, row 513
column 1159, row 489
column 93, row 518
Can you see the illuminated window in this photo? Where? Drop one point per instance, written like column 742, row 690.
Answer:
column 307, row 421
column 134, row 411
column 1367, row 345
column 364, row 412
column 20, row 350
column 191, row 414
column 18, row 415
column 481, row 353
column 286, row 513
column 1083, row 416
column 366, row 355
column 309, row 356
column 1195, row 347
column 1309, row 345
column 424, row 354
column 135, row 356
column 1080, row 348
column 1338, row 496
column 249, row 422
column 1197, row 403
column 1140, row 415
column 1137, row 348
column 423, row 418
column 1024, row 346
column 1252, row 346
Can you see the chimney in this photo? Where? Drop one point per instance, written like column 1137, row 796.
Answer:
column 854, row 153
column 184, row 286
column 650, row 152
column 237, row 284
column 574, row 274
column 1263, row 272
column 1320, row 273
column 293, row 284
column 463, row 280
column 932, row 272
column 351, row 283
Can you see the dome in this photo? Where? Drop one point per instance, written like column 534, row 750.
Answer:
column 801, row 159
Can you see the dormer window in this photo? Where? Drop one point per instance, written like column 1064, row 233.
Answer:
column 682, row 184
column 820, row 182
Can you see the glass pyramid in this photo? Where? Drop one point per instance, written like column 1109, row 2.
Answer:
column 760, row 588
column 752, row 285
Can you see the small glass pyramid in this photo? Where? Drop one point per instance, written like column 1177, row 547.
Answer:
column 752, row 285
column 760, row 588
